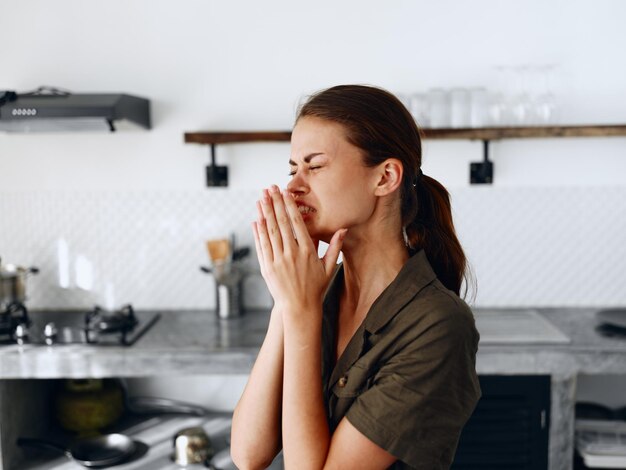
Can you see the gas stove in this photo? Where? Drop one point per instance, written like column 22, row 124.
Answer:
column 12, row 319
column 98, row 327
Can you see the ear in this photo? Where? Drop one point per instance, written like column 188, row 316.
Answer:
column 390, row 176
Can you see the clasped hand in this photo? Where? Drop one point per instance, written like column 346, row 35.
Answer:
column 295, row 275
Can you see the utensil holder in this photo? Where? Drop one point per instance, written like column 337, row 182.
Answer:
column 228, row 299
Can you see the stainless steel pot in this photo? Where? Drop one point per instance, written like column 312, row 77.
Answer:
column 13, row 283
column 192, row 445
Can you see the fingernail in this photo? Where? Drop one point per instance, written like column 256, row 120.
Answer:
column 274, row 188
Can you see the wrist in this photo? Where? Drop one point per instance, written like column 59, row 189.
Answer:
column 297, row 307
column 301, row 316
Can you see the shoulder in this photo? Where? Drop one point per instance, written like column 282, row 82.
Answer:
column 437, row 314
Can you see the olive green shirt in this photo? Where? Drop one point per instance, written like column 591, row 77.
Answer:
column 407, row 378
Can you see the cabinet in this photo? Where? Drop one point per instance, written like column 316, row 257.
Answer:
column 509, row 427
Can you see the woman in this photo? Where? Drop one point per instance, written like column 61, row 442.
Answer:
column 368, row 364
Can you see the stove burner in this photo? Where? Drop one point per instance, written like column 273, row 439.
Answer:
column 99, row 322
column 13, row 316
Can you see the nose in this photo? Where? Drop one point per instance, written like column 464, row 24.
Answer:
column 297, row 186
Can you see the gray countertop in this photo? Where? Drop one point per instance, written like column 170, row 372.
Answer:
column 196, row 342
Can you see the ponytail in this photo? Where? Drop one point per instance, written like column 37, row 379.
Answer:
column 431, row 229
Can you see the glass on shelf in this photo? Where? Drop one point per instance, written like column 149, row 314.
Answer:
column 419, row 109
column 460, row 112
column 438, row 108
column 479, row 107
column 544, row 104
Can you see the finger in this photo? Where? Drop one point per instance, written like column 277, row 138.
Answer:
column 282, row 219
column 297, row 223
column 269, row 215
column 259, row 211
column 332, row 253
column 257, row 244
column 264, row 241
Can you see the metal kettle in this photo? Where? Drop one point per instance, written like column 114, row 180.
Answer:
column 13, row 284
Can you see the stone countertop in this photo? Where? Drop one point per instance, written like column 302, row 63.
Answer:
column 587, row 352
column 180, row 343
column 196, row 342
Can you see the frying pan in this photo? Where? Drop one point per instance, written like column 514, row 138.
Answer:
column 98, row 451
column 614, row 317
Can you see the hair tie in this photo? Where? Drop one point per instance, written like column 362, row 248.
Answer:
column 418, row 177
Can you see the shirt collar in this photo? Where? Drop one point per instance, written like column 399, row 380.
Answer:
column 413, row 277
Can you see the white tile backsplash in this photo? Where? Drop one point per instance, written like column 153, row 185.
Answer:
column 527, row 246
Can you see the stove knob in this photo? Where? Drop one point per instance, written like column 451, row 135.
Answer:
column 21, row 334
column 50, row 333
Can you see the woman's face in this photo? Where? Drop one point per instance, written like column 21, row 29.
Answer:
column 331, row 185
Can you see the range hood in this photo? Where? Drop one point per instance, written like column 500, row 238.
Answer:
column 50, row 109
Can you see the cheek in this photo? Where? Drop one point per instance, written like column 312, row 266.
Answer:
column 347, row 207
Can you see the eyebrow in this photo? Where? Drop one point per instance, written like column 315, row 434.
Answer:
column 306, row 159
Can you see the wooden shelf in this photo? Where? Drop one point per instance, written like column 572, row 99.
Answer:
column 480, row 172
column 485, row 133
column 236, row 137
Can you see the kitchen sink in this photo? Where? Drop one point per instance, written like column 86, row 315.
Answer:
column 516, row 326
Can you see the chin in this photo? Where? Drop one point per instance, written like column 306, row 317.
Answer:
column 321, row 234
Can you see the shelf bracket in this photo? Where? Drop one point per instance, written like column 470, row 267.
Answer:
column 216, row 175
column 482, row 172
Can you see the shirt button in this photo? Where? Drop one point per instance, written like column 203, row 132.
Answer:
column 343, row 381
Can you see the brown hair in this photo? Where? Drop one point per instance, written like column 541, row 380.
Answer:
column 379, row 124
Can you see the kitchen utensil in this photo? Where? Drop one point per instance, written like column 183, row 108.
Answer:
column 87, row 405
column 219, row 250
column 192, row 445
column 152, row 405
column 228, row 297
column 614, row 317
column 228, row 289
column 240, row 253
column 229, row 275
column 99, row 451
column 13, row 283
column 155, row 405
column 588, row 410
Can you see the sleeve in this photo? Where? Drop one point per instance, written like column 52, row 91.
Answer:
column 422, row 397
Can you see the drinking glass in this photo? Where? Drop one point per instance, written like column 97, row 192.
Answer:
column 520, row 100
column 479, row 107
column 460, row 113
column 419, row 109
column 545, row 105
column 438, row 108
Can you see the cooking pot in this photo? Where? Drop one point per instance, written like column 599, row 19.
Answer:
column 192, row 445
column 13, row 284
column 87, row 405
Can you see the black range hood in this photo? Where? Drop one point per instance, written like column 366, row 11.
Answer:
column 50, row 109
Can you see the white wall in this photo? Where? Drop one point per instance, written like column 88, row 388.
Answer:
column 209, row 65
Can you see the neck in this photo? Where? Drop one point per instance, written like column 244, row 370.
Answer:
column 369, row 266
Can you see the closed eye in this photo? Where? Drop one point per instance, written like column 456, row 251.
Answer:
column 311, row 168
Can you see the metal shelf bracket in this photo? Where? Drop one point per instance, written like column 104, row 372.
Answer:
column 216, row 175
column 482, row 172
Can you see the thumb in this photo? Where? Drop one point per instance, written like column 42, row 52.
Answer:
column 330, row 258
